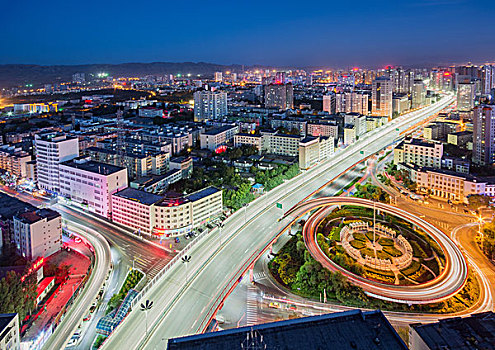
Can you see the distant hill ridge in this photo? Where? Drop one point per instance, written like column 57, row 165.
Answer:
column 12, row 75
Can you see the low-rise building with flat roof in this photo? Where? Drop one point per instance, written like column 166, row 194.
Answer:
column 348, row 330
column 475, row 332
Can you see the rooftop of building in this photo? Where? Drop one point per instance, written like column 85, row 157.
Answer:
column 247, row 134
column 139, row 196
column 5, row 319
column 420, row 142
column 308, row 139
column 30, row 217
column 219, row 130
column 180, row 159
column 462, row 133
column 346, row 330
column 54, row 137
column 83, row 163
column 205, row 192
column 468, row 333
column 12, row 206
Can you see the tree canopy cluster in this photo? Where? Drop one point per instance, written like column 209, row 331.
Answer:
column 17, row 295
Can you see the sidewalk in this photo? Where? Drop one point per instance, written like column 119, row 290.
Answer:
column 61, row 294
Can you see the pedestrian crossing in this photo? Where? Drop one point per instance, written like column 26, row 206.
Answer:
column 258, row 276
column 251, row 306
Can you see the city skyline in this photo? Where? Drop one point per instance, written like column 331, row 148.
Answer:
column 273, row 34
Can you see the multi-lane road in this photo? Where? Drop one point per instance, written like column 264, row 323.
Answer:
column 182, row 308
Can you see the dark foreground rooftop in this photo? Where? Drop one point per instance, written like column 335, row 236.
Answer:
column 467, row 333
column 347, row 330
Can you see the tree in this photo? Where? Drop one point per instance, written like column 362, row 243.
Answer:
column 478, row 200
column 17, row 295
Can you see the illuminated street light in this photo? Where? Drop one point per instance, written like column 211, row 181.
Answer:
column 185, row 260
column 146, row 306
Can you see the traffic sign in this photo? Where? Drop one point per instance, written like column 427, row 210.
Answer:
column 279, row 205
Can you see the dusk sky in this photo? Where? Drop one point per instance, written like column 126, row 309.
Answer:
column 277, row 33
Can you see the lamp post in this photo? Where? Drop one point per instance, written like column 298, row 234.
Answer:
column 146, row 306
column 185, row 260
column 245, row 208
column 480, row 231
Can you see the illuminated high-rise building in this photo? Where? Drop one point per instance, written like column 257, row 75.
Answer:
column 484, row 135
column 381, row 97
column 209, row 105
column 465, row 96
column 279, row 96
column 218, row 77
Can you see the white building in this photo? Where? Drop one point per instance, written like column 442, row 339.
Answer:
column 9, row 334
column 209, row 105
column 329, row 103
column 351, row 102
column 419, row 152
column 381, row 97
column 358, row 120
column 313, row 150
column 350, row 134
column 166, row 216
column 255, row 140
column 466, row 93
column 51, row 150
column 449, row 185
column 38, row 233
column 214, row 138
column 91, row 184
column 281, row 144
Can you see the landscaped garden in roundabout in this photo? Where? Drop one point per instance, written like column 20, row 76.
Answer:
column 379, row 248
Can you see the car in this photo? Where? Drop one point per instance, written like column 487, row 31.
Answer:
column 292, row 307
column 274, row 305
column 78, row 240
column 87, row 318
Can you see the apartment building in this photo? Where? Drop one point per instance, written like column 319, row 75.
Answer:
column 51, row 150
column 419, row 152
column 38, row 233
column 255, row 140
column 14, row 161
column 313, row 150
column 323, row 128
column 290, row 124
column 214, row 138
column 281, row 144
column 137, row 165
column 91, row 184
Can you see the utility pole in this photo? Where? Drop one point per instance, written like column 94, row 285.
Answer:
column 120, row 138
column 374, row 222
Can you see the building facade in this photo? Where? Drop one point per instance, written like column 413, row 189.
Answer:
column 38, row 233
column 51, row 150
column 91, row 184
column 484, row 135
column 381, row 97
column 210, row 105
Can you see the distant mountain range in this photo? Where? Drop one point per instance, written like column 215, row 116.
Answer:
column 12, row 75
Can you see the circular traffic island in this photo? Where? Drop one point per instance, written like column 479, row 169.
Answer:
column 391, row 254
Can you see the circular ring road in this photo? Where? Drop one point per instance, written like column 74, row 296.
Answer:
column 449, row 282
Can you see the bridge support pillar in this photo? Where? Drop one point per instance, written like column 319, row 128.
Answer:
column 251, row 273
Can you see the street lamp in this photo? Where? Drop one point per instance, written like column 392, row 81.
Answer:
column 185, row 260
column 146, row 306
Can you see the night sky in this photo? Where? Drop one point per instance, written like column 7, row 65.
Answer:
column 278, row 33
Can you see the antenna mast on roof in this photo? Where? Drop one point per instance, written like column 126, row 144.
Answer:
column 253, row 341
column 120, row 138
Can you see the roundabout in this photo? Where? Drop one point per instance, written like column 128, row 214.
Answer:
column 386, row 251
